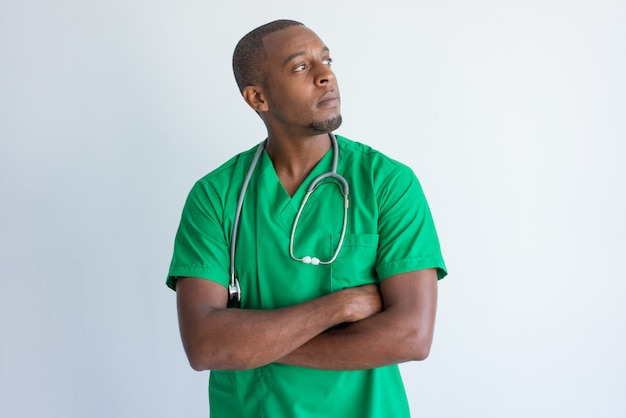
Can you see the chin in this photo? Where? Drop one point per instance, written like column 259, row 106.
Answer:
column 325, row 126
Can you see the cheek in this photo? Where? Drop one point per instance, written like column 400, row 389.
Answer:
column 289, row 97
column 293, row 102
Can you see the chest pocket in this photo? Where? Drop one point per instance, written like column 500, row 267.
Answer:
column 355, row 265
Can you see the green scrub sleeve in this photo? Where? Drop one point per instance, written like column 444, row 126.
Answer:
column 200, row 248
column 408, row 238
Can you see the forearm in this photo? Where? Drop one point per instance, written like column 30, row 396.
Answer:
column 243, row 339
column 218, row 338
column 372, row 342
column 403, row 331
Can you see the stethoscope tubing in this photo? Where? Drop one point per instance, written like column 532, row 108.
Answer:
column 233, row 287
column 234, row 283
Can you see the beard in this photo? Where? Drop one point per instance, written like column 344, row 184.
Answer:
column 325, row 126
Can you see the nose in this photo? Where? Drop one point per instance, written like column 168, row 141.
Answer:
column 324, row 75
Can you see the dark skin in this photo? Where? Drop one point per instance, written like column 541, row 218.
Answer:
column 299, row 89
column 382, row 325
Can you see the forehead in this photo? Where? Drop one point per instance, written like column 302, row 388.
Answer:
column 292, row 40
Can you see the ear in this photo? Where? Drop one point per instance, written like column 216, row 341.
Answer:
column 255, row 97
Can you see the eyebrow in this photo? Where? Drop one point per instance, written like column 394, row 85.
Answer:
column 299, row 54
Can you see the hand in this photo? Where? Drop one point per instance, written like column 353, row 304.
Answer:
column 362, row 302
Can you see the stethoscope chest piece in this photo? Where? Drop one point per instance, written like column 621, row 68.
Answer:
column 234, row 294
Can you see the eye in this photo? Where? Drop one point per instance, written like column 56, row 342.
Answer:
column 328, row 61
column 300, row 67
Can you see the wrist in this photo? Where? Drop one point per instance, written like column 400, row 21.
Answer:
column 346, row 309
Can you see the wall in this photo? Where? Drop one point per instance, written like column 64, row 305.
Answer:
column 511, row 114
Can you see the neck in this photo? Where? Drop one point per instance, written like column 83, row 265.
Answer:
column 294, row 159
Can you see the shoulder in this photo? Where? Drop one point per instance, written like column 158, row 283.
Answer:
column 214, row 188
column 226, row 174
column 362, row 158
column 227, row 170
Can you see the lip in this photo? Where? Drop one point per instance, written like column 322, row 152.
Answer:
column 330, row 99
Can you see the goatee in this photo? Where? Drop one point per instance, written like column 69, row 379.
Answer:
column 325, row 126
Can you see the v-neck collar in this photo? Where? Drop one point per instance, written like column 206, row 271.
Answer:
column 272, row 193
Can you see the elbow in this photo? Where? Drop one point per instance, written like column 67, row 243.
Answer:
column 200, row 357
column 418, row 346
column 197, row 361
column 218, row 359
column 421, row 352
column 199, row 367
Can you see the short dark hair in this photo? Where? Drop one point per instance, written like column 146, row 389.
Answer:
column 249, row 53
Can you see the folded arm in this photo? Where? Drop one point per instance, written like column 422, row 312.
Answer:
column 218, row 338
column 403, row 331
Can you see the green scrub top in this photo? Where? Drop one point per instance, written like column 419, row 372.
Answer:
column 390, row 231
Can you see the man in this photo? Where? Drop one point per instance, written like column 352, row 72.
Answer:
column 317, row 335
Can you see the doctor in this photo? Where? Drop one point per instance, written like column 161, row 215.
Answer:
column 309, row 339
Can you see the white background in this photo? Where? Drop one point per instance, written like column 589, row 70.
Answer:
column 512, row 114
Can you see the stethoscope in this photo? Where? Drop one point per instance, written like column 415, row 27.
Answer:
column 234, row 290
